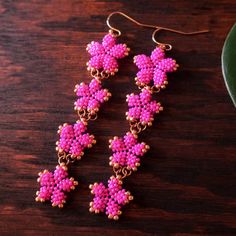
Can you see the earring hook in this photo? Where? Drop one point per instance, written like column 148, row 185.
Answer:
column 167, row 46
column 127, row 17
column 158, row 28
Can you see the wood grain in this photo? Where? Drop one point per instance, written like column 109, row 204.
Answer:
column 186, row 184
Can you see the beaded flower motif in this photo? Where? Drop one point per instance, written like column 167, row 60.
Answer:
column 90, row 96
column 126, row 151
column 55, row 185
column 73, row 139
column 154, row 68
column 111, row 199
column 105, row 55
column 142, row 108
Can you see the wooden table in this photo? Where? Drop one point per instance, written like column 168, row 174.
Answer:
column 186, row 184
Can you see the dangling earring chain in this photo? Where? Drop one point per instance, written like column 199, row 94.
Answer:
column 127, row 150
column 73, row 139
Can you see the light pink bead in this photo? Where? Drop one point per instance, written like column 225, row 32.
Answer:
column 105, row 55
column 54, row 185
column 153, row 69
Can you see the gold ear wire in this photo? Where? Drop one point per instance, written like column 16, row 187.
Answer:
column 127, row 17
column 167, row 46
column 156, row 27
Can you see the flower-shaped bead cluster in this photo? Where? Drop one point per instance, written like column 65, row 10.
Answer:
column 105, row 54
column 126, row 151
column 53, row 186
column 142, row 108
column 90, row 96
column 153, row 69
column 111, row 199
column 73, row 139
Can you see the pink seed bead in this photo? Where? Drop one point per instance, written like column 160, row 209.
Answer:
column 167, row 65
column 54, row 185
column 105, row 55
column 143, row 109
column 121, row 197
column 112, row 208
column 109, row 199
column 128, row 155
column 92, row 99
column 58, row 197
column 73, row 139
column 108, row 41
column 142, row 61
column 157, row 54
column 130, row 140
column 117, row 145
column 153, row 69
column 133, row 100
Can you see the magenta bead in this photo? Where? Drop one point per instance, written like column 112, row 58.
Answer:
column 126, row 151
column 153, row 69
column 105, row 55
column 90, row 96
column 73, row 139
column 110, row 199
column 142, row 108
column 54, row 185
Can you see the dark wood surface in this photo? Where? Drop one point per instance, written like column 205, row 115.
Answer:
column 186, row 184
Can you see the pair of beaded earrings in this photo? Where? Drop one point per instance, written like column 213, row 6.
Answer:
column 126, row 150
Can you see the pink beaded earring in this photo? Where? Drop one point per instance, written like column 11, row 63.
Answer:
column 142, row 107
column 73, row 139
